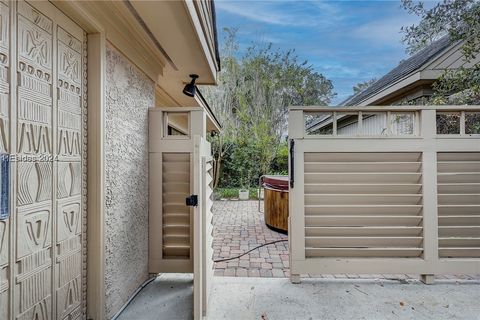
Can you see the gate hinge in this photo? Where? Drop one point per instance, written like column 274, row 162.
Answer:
column 192, row 201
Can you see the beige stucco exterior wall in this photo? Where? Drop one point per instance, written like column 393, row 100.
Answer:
column 129, row 94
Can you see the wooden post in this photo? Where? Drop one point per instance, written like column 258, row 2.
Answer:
column 429, row 177
column 296, row 228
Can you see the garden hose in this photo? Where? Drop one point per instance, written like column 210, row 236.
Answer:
column 263, row 245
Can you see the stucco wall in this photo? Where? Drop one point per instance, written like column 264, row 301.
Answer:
column 129, row 94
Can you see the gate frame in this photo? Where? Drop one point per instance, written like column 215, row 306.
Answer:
column 160, row 142
column 426, row 142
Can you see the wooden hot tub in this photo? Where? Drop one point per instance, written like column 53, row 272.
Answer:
column 276, row 202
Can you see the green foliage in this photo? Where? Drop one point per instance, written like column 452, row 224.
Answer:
column 253, row 193
column 254, row 91
column 461, row 86
column 232, row 193
column 460, row 20
column 359, row 87
column 240, row 167
column 457, row 18
column 226, row 193
column 280, row 162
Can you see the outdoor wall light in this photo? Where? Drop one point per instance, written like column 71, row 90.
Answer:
column 190, row 88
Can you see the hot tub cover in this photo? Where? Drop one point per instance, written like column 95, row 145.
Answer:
column 275, row 182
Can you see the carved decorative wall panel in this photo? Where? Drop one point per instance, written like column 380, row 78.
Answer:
column 34, row 216
column 69, row 177
column 41, row 243
column 4, row 148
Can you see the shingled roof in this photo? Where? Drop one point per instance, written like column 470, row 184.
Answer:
column 405, row 68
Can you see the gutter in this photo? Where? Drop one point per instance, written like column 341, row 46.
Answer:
column 215, row 35
column 209, row 110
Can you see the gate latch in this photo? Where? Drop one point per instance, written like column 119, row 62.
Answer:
column 192, row 201
column 292, row 163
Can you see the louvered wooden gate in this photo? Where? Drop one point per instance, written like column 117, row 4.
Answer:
column 384, row 190
column 180, row 236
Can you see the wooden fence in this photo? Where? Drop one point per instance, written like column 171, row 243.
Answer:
column 384, row 190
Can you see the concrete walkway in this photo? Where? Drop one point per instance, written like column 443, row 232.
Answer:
column 170, row 297
column 278, row 299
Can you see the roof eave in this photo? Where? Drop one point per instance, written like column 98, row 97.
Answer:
column 393, row 89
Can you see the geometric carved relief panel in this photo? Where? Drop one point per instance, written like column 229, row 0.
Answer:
column 35, row 45
column 35, row 34
column 68, row 219
column 33, row 138
column 4, row 77
column 69, row 298
column 69, row 95
column 4, row 148
column 33, row 230
column 34, row 182
column 69, row 179
column 4, row 285
column 47, row 246
column 34, row 213
column 33, row 296
column 69, row 143
column 4, row 225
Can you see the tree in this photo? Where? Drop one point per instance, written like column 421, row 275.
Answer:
column 459, row 20
column 359, row 87
column 254, row 90
column 222, row 99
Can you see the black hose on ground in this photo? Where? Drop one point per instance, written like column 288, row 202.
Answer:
column 263, row 245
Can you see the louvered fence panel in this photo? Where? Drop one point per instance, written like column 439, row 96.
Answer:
column 458, row 205
column 363, row 205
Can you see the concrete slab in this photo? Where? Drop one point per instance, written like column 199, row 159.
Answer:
column 260, row 298
column 169, row 297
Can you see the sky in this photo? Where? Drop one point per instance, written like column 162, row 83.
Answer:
column 346, row 41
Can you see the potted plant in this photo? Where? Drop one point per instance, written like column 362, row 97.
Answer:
column 243, row 194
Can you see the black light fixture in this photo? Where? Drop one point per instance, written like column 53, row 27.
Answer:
column 190, row 88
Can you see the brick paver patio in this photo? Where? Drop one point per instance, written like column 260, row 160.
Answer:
column 239, row 227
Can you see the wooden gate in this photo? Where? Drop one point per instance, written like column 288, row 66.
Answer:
column 180, row 238
column 384, row 190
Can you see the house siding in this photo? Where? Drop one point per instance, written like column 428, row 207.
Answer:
column 129, row 94
column 373, row 125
